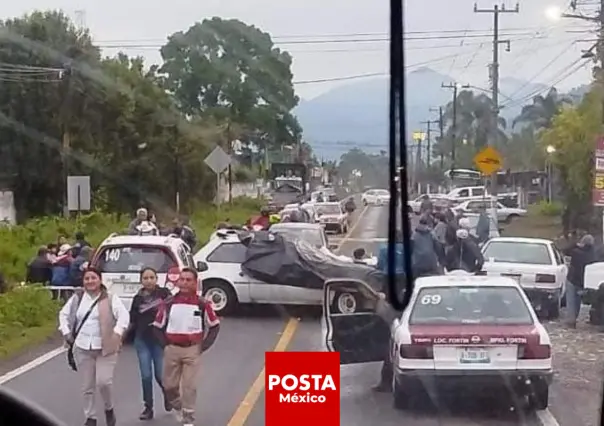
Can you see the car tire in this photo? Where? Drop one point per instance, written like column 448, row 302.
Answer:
column 538, row 399
column 365, row 202
column 400, row 397
column 346, row 303
column 223, row 290
column 553, row 310
column 511, row 217
column 596, row 311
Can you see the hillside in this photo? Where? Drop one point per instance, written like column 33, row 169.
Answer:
column 356, row 114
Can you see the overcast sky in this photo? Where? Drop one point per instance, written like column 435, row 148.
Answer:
column 541, row 50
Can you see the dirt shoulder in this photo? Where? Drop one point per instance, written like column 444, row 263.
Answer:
column 578, row 355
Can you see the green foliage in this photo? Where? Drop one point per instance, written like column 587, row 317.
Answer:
column 233, row 72
column 545, row 208
column 139, row 143
column 28, row 316
column 18, row 245
column 373, row 168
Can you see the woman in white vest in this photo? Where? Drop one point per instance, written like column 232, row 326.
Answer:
column 93, row 323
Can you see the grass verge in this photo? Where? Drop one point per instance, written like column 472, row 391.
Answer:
column 28, row 315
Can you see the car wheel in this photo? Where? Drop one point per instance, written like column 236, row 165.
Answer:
column 401, row 398
column 511, row 217
column 539, row 397
column 364, row 202
column 346, row 303
column 222, row 296
column 553, row 310
column 596, row 312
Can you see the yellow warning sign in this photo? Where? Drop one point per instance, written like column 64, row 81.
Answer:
column 488, row 161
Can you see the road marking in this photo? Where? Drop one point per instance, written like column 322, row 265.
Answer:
column 546, row 418
column 251, row 397
column 351, row 230
column 31, row 365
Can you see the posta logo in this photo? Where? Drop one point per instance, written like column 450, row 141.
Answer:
column 302, row 388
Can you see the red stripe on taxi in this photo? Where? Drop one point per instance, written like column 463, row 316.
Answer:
column 473, row 334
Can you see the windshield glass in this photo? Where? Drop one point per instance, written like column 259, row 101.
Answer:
column 311, row 236
column 123, row 258
column 382, row 192
column 328, row 209
column 470, row 305
column 517, row 252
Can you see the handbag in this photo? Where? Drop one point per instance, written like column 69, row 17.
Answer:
column 70, row 356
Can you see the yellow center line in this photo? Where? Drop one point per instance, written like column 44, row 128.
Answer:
column 251, row 397
column 253, row 394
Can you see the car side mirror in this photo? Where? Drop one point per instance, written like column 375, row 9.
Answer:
column 201, row 266
column 332, row 246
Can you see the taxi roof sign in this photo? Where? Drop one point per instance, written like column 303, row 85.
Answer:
column 488, row 161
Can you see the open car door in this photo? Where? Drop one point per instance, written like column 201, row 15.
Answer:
column 360, row 336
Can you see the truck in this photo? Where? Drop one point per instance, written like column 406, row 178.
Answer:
column 288, row 184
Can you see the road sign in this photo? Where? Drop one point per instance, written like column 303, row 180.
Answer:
column 78, row 193
column 598, row 183
column 488, row 161
column 218, row 160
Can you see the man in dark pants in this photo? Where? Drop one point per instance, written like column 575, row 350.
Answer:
column 383, row 308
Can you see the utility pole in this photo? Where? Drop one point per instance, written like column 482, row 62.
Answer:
column 428, row 139
column 230, row 152
column 66, row 113
column 455, row 87
column 441, row 126
column 496, row 11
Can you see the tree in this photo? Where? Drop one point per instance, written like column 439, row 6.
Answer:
column 543, row 109
column 374, row 168
column 232, row 71
column 573, row 133
column 473, row 128
column 124, row 129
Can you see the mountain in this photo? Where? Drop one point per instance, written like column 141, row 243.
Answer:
column 356, row 114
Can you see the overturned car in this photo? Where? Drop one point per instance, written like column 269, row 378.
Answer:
column 266, row 268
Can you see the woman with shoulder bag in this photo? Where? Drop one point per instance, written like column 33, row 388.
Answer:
column 93, row 323
column 149, row 350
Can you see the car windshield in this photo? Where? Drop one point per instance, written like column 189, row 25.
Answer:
column 328, row 209
column 130, row 258
column 382, row 192
column 311, row 236
column 517, row 252
column 470, row 305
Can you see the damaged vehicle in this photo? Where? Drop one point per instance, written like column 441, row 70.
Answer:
column 269, row 268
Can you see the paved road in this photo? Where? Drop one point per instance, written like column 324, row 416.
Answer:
column 229, row 392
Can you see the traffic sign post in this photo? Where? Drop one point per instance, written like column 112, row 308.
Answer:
column 598, row 184
column 488, row 161
column 218, row 161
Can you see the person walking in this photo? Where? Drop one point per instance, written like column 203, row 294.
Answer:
column 581, row 255
column 149, row 351
column 93, row 323
column 187, row 326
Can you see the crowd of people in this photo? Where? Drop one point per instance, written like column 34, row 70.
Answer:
column 170, row 333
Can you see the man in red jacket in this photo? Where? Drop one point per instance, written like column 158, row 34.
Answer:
column 188, row 326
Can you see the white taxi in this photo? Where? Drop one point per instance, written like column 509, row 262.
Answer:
column 226, row 285
column 459, row 331
column 535, row 263
column 121, row 258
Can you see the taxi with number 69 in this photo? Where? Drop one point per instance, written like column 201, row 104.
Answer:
column 459, row 331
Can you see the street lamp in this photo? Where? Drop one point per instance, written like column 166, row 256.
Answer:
column 550, row 149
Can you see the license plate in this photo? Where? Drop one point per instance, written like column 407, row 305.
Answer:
column 474, row 356
column 128, row 288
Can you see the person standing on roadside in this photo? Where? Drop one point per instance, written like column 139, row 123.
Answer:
column 39, row 268
column 142, row 215
column 149, row 351
column 187, row 326
column 93, row 323
column 581, row 255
